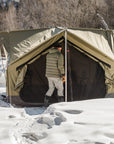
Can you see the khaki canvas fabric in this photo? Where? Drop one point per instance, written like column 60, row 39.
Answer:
column 27, row 40
column 13, row 73
column 97, row 44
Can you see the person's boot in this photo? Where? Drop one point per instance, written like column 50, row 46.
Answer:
column 46, row 100
column 60, row 98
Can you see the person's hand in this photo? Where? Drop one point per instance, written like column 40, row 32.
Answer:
column 63, row 79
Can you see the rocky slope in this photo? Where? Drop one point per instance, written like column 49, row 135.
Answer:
column 51, row 13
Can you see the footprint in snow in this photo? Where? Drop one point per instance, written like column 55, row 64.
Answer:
column 46, row 120
column 73, row 111
column 59, row 119
column 34, row 137
column 83, row 142
column 12, row 116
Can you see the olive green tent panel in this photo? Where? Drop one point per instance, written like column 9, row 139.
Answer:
column 96, row 37
column 13, row 74
column 22, row 42
column 96, row 44
column 93, row 43
column 96, row 40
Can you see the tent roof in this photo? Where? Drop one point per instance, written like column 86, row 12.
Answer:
column 99, row 43
column 99, row 40
column 22, row 42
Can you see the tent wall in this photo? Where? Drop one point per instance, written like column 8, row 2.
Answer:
column 97, row 54
column 26, row 63
column 30, row 57
column 87, row 78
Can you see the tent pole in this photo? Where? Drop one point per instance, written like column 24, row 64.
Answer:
column 66, row 65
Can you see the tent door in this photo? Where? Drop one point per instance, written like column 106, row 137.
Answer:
column 35, row 83
column 88, row 78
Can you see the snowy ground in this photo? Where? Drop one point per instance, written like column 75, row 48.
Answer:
column 81, row 122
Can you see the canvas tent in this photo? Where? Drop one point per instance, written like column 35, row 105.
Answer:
column 89, row 64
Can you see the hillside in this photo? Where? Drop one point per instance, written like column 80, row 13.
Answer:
column 68, row 13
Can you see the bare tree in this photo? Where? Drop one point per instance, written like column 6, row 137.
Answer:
column 102, row 21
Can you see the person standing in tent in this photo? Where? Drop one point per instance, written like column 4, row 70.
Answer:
column 55, row 73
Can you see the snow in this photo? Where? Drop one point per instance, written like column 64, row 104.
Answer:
column 79, row 122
